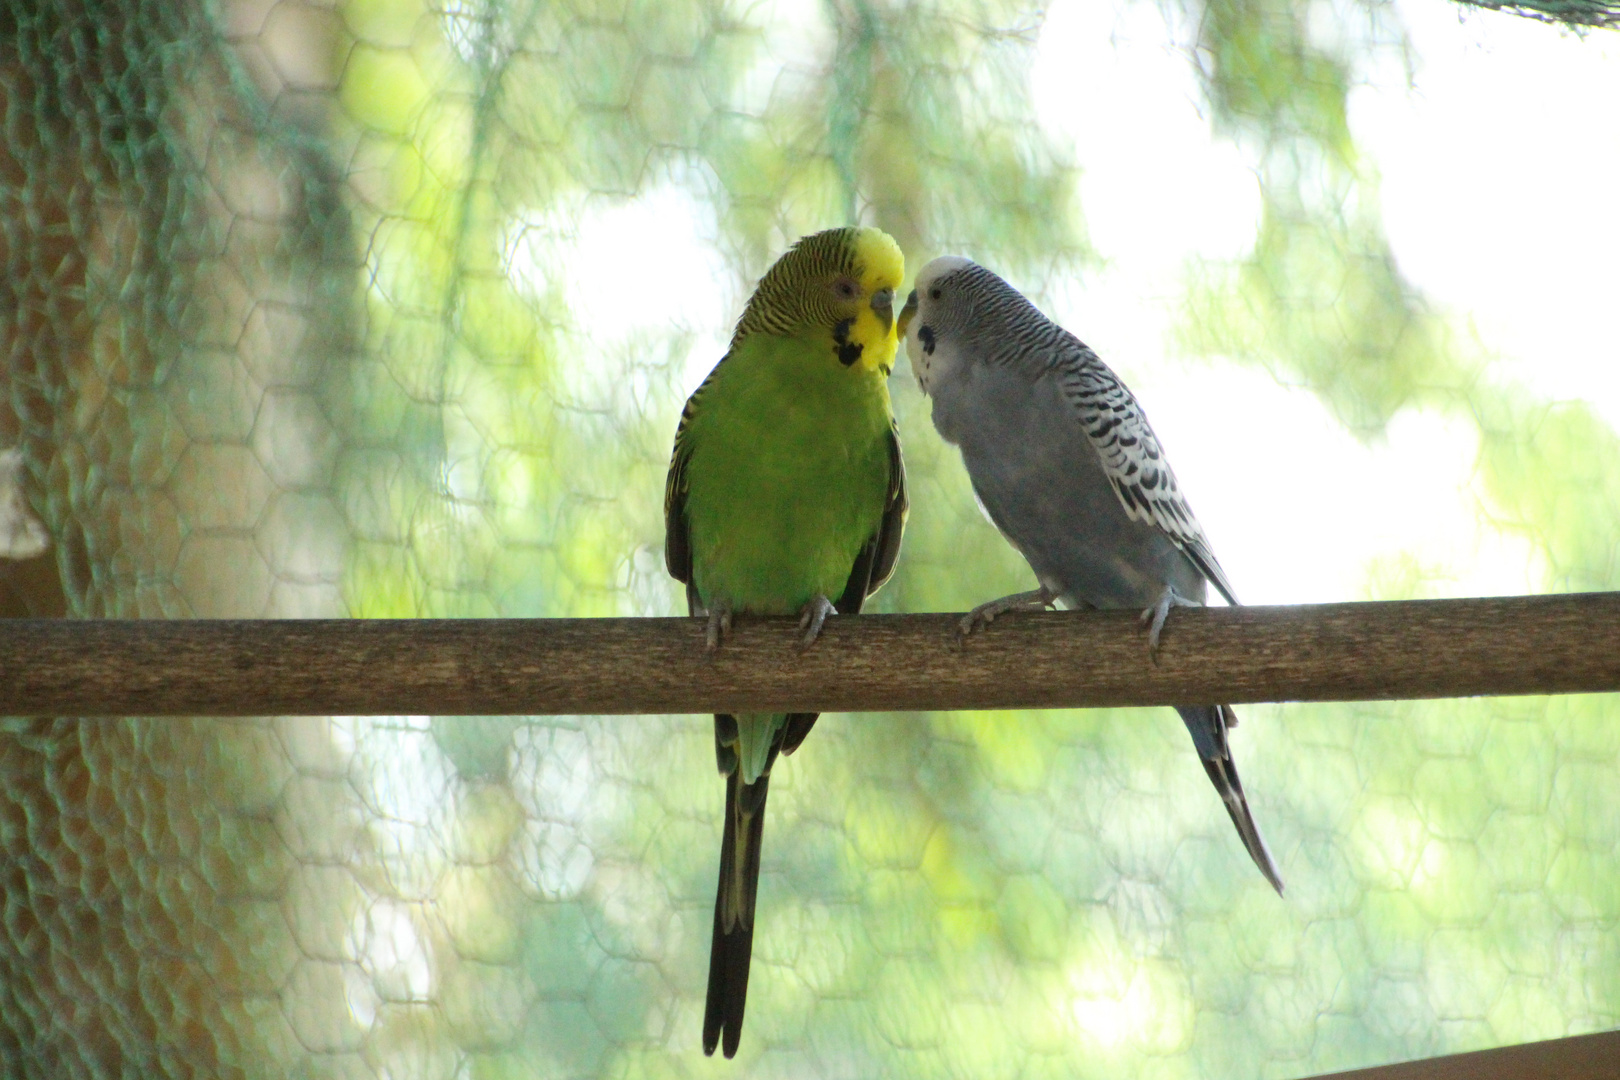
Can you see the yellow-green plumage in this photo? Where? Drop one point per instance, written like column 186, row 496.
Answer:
column 787, row 480
column 786, row 487
column 788, row 477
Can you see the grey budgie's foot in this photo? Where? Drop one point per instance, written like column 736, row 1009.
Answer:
column 985, row 614
column 1153, row 617
column 811, row 616
column 719, row 626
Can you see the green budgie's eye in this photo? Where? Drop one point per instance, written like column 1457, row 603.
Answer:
column 846, row 288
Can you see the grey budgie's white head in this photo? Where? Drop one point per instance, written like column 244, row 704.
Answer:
column 958, row 314
column 936, row 307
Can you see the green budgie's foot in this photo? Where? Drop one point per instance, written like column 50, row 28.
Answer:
column 719, row 626
column 985, row 614
column 1160, row 611
column 811, row 616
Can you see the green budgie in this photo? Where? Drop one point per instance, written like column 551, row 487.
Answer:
column 786, row 490
column 1065, row 465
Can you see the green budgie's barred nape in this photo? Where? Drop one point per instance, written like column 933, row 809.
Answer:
column 1067, row 467
column 780, row 305
column 786, row 494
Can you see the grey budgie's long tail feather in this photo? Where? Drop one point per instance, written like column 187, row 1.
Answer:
column 733, row 944
column 1208, row 724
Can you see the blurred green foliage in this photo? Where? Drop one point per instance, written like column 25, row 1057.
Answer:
column 317, row 313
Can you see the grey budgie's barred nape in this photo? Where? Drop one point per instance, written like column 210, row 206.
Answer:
column 1064, row 462
column 973, row 298
column 997, row 323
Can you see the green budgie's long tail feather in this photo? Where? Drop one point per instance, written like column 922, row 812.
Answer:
column 732, row 947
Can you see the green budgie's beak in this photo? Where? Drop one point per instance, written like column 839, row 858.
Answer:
column 883, row 306
column 907, row 312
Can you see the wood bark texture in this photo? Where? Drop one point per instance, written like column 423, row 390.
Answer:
column 1327, row 652
column 1582, row 1057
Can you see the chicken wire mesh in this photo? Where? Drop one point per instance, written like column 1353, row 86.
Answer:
column 356, row 309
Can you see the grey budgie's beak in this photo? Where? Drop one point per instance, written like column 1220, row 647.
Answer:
column 908, row 312
column 919, row 362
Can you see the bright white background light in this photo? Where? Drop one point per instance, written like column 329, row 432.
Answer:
column 1498, row 162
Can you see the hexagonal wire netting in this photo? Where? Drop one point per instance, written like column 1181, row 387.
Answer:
column 383, row 308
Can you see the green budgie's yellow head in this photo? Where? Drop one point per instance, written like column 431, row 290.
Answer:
column 837, row 288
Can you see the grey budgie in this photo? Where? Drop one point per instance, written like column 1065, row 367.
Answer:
column 1066, row 466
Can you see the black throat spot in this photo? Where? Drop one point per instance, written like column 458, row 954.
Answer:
column 925, row 334
column 848, row 351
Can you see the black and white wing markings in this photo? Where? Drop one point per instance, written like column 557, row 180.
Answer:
column 1131, row 456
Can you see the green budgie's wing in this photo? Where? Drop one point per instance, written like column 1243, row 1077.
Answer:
column 678, row 558
column 875, row 563
column 677, row 540
column 873, row 566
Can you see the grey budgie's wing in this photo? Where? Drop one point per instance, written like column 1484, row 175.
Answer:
column 1131, row 456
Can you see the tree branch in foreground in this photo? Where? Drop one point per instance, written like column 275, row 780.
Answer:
column 1580, row 14
column 1582, row 1057
column 1328, row 652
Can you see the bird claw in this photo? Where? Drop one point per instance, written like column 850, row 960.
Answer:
column 982, row 616
column 1153, row 617
column 718, row 627
column 811, row 616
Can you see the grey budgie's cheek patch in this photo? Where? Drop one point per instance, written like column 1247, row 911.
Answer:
column 925, row 334
column 848, row 351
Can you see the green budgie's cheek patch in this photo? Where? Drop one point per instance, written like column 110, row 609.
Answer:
column 848, row 351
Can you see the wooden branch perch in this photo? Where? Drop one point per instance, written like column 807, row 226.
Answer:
column 1580, row 1057
column 1328, row 652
